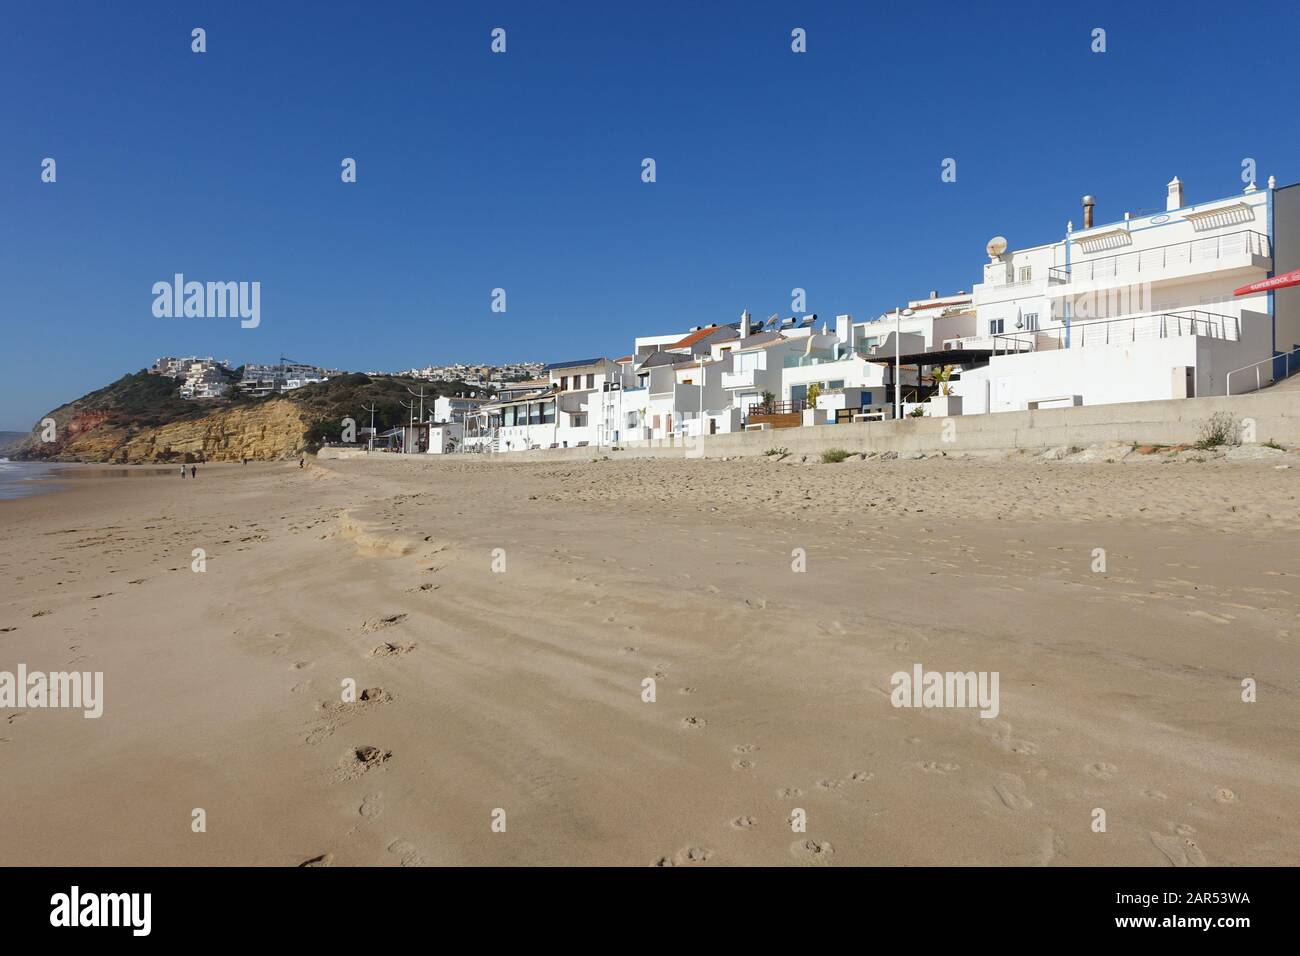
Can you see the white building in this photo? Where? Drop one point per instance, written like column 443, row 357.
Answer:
column 455, row 408
column 1137, row 309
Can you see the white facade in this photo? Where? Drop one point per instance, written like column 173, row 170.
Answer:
column 1134, row 310
column 444, row 437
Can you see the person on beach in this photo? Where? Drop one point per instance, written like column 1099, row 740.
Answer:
column 302, row 462
column 182, row 471
column 194, row 471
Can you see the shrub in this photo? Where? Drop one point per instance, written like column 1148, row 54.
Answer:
column 833, row 456
column 1221, row 428
column 777, row 451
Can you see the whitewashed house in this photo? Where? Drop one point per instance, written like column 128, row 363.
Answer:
column 1137, row 309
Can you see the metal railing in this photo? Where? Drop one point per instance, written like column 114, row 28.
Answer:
column 1129, row 328
column 1205, row 249
column 1285, row 357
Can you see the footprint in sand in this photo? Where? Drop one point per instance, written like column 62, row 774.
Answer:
column 362, row 760
column 380, row 623
column 744, row 822
column 1179, row 850
column 406, row 853
column 861, row 776
column 1154, row 794
column 325, row 859
column 693, row 723
column 1224, row 795
column 1011, row 791
column 1102, row 770
column 371, row 807
column 392, row 650
column 829, row 784
column 686, row 857
column 744, row 748
column 742, row 764
column 686, row 690
column 817, row 853
column 785, row 793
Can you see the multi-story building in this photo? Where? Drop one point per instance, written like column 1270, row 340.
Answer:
column 1137, row 309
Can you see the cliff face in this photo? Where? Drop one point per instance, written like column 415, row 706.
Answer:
column 267, row 430
column 142, row 417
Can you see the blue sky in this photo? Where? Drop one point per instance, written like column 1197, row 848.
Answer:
column 522, row 171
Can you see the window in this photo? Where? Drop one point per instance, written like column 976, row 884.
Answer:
column 995, row 326
column 1031, row 321
column 872, row 342
column 535, row 413
column 564, row 383
column 591, row 381
column 578, row 419
column 1025, row 273
column 548, row 413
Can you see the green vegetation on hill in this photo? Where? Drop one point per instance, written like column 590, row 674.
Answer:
column 326, row 404
column 138, row 400
column 139, row 403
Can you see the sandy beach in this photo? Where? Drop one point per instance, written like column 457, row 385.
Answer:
column 500, row 621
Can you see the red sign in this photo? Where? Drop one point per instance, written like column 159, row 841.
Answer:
column 1277, row 282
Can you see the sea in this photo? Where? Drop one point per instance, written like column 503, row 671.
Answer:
column 20, row 479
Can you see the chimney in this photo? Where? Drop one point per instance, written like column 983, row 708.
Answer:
column 844, row 329
column 744, row 324
column 1175, row 200
column 1088, row 203
column 934, row 293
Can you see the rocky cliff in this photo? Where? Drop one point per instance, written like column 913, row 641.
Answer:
column 142, row 418
column 260, row 432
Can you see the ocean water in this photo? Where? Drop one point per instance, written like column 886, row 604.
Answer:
column 18, row 479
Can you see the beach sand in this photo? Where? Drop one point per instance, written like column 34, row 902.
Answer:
column 512, row 679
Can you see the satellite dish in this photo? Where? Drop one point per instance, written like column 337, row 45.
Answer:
column 996, row 246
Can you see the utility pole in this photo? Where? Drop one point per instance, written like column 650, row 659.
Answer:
column 410, row 423
column 370, row 444
column 421, row 396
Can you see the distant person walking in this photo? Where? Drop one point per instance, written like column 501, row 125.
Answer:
column 182, row 471
column 194, row 471
column 302, row 462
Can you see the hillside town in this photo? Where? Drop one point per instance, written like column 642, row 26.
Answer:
column 1190, row 301
column 208, row 377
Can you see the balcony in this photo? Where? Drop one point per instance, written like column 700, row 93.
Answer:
column 1121, row 331
column 1232, row 251
column 743, row 379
